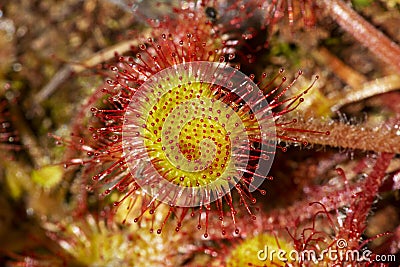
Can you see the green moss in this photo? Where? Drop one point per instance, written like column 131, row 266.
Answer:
column 16, row 179
column 362, row 3
column 47, row 176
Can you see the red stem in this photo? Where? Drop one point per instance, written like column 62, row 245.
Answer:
column 364, row 32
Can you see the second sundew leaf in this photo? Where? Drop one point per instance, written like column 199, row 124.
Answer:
column 261, row 250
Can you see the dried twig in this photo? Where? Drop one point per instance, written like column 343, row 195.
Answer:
column 65, row 72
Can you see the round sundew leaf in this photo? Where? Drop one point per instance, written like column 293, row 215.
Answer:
column 47, row 176
column 193, row 131
column 261, row 250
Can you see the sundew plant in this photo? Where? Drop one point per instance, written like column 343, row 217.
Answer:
column 200, row 133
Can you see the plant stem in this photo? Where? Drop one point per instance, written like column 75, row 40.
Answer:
column 378, row 139
column 364, row 32
column 378, row 86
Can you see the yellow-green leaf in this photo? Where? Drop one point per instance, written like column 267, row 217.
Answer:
column 48, row 176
